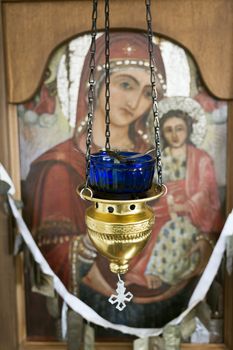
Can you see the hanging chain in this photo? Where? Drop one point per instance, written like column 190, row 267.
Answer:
column 91, row 90
column 154, row 92
column 67, row 64
column 107, row 78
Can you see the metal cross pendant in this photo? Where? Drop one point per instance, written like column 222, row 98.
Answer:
column 121, row 296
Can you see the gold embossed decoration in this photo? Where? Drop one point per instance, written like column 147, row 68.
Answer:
column 120, row 229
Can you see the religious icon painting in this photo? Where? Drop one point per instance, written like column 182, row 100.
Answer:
column 53, row 126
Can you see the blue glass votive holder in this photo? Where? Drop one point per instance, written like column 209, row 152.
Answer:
column 121, row 172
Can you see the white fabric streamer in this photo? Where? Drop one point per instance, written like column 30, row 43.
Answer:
column 64, row 320
column 5, row 177
column 87, row 312
column 210, row 270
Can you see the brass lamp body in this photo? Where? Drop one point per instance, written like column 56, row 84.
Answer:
column 119, row 230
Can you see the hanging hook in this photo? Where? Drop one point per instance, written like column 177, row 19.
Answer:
column 89, row 193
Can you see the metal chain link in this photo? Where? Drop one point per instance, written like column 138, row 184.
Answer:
column 154, row 92
column 107, row 78
column 67, row 64
column 91, row 90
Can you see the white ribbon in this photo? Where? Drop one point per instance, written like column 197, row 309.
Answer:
column 211, row 269
column 87, row 312
column 64, row 320
column 5, row 177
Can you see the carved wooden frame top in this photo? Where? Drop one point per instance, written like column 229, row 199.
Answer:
column 205, row 28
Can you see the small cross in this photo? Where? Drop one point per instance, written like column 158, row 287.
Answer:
column 121, row 296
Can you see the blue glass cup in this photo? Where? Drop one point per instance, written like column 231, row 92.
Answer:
column 121, row 172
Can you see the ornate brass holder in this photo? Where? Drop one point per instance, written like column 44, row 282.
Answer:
column 120, row 228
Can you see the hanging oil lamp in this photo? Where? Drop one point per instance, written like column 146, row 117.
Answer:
column 119, row 184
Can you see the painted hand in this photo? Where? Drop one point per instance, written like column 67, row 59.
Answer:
column 153, row 282
column 204, row 248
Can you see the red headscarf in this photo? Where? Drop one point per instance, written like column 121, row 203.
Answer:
column 127, row 49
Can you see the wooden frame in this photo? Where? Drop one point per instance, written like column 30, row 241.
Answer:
column 12, row 317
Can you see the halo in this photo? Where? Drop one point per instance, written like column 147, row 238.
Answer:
column 68, row 90
column 194, row 110
column 177, row 69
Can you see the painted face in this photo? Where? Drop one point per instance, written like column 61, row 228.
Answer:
column 130, row 97
column 175, row 132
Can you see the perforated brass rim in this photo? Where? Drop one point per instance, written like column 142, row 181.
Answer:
column 153, row 193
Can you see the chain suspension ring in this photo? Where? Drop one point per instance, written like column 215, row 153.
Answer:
column 154, row 92
column 91, row 90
